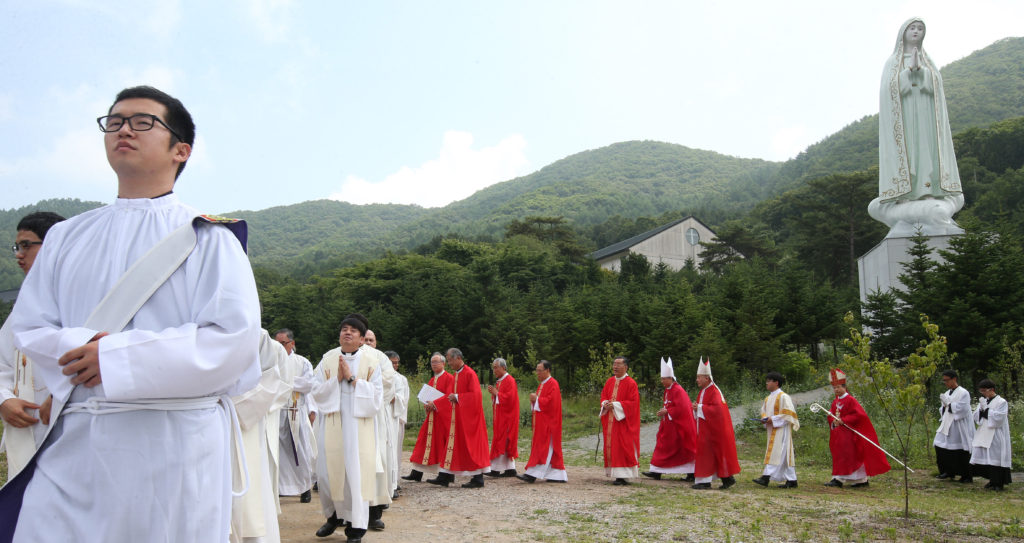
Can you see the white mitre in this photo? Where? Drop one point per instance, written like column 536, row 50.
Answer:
column 666, row 368
column 704, row 368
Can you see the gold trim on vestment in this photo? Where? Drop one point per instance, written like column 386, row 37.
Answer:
column 447, row 463
column 611, row 418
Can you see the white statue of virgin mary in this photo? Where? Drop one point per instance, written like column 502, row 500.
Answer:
column 918, row 181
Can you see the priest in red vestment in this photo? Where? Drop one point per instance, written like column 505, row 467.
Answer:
column 546, row 451
column 676, row 447
column 716, row 442
column 505, row 408
column 853, row 458
column 432, row 441
column 468, row 452
column 620, row 423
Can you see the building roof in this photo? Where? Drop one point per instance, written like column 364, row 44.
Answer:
column 623, row 246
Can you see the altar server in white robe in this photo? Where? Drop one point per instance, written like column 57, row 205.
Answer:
column 398, row 410
column 348, row 393
column 778, row 415
column 297, row 446
column 154, row 466
column 956, row 431
column 254, row 514
column 990, row 451
column 21, row 394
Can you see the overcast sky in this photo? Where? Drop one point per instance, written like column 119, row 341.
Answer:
column 428, row 102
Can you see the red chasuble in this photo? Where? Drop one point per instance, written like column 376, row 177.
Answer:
column 621, row 437
column 849, row 451
column 433, row 439
column 505, row 407
column 716, row 442
column 677, row 432
column 547, row 426
column 467, row 431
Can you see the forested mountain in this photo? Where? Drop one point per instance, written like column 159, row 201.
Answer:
column 607, row 194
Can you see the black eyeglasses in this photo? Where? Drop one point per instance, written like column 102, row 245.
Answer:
column 24, row 245
column 140, row 122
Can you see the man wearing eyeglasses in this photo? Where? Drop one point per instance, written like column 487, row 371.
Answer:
column 142, row 449
column 21, row 395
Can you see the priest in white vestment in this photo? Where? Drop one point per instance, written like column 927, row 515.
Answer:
column 297, row 448
column 21, row 394
column 955, row 434
column 142, row 451
column 398, row 411
column 348, row 392
column 254, row 514
column 990, row 451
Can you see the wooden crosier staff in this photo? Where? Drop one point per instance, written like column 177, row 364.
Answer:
column 815, row 408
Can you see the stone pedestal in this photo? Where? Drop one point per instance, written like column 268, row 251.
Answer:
column 879, row 269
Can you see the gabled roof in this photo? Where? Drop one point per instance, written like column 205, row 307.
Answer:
column 623, row 246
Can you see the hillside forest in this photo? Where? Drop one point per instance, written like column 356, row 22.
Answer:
column 506, row 272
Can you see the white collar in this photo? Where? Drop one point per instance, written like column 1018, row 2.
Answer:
column 546, row 380
column 845, row 394
column 621, row 378
column 500, row 378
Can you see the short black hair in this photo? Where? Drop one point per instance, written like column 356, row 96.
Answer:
column 355, row 320
column 624, row 360
column 178, row 118
column 987, row 383
column 951, row 374
column 775, row 376
column 39, row 222
column 546, row 364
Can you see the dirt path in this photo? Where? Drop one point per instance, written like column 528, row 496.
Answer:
column 504, row 510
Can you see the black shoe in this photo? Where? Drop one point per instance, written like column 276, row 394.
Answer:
column 651, row 474
column 414, row 475
column 509, row 473
column 689, row 478
column 438, row 481
column 701, row 486
column 394, row 496
column 493, row 473
column 329, row 527
column 620, row 482
column 555, row 481
column 788, row 484
column 762, row 480
column 377, row 525
column 997, row 488
column 943, row 476
column 316, row 487
column 835, row 482
column 966, row 479
column 476, row 482
column 354, row 540
column 727, row 482
column 859, row 485
column 306, row 497
column 527, row 478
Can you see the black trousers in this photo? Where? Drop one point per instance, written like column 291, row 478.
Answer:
column 953, row 461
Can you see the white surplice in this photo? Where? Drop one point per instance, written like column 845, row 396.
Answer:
column 345, row 428
column 138, row 475
column 296, row 445
column 991, row 445
column 398, row 411
column 956, row 428
column 17, row 381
